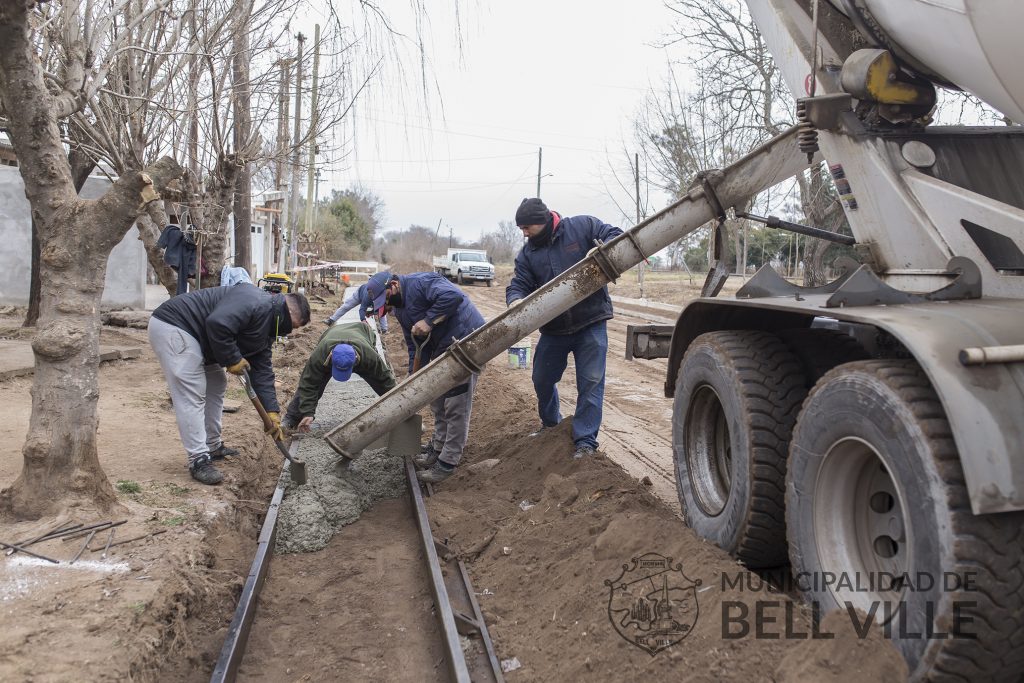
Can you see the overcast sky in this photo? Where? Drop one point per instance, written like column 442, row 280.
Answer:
column 564, row 75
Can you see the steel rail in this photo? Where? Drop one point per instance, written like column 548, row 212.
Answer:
column 233, row 650
column 449, row 632
column 469, row 619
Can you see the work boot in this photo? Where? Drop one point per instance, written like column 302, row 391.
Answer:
column 222, row 451
column 203, row 471
column 436, row 474
column 543, row 428
column 427, row 457
column 329, row 322
column 582, row 451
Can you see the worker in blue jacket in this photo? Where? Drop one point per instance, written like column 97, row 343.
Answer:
column 554, row 244
column 433, row 313
column 353, row 299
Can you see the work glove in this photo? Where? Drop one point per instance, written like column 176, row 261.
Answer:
column 515, row 303
column 239, row 367
column 273, row 427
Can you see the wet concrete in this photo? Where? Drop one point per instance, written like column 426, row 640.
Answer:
column 332, row 496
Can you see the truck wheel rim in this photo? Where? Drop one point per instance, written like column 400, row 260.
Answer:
column 708, row 451
column 861, row 529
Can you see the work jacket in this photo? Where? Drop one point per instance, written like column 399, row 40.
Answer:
column 425, row 296
column 317, row 373
column 571, row 239
column 232, row 323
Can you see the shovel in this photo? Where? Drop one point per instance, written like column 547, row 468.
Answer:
column 417, row 358
column 296, row 467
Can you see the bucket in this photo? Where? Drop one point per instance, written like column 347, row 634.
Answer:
column 519, row 355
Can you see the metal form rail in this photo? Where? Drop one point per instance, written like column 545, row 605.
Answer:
column 456, row 604
column 457, row 608
column 238, row 632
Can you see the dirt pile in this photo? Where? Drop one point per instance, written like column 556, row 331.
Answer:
column 558, row 550
column 847, row 658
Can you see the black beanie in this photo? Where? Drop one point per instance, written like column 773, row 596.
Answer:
column 532, row 212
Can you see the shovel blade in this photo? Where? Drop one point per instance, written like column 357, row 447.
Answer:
column 297, row 470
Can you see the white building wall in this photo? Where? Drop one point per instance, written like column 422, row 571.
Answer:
column 126, row 267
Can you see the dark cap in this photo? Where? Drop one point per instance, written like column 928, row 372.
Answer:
column 532, row 211
column 375, row 290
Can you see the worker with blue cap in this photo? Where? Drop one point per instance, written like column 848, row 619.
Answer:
column 343, row 349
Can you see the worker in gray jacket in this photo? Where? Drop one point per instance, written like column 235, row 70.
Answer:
column 198, row 334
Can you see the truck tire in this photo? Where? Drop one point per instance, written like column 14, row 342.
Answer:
column 737, row 397
column 821, row 349
column 490, row 283
column 461, row 280
column 875, row 488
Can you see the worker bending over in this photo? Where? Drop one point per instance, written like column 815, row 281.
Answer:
column 343, row 349
column 354, row 298
column 194, row 335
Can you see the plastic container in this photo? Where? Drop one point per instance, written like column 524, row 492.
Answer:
column 519, row 354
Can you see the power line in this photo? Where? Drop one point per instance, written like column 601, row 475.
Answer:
column 444, row 161
column 486, row 137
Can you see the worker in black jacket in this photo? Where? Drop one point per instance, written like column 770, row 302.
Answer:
column 194, row 335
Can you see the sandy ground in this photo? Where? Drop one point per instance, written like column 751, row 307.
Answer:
column 154, row 609
column 546, row 539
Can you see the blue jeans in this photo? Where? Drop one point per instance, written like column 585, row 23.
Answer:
column 589, row 348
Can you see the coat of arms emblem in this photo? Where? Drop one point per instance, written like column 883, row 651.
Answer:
column 652, row 604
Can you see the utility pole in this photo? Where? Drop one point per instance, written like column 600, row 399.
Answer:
column 312, row 143
column 316, row 201
column 284, row 100
column 540, row 155
column 311, row 168
column 636, row 184
column 241, row 101
column 293, row 217
column 450, row 238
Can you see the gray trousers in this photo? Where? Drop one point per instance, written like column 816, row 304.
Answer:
column 197, row 389
column 451, row 421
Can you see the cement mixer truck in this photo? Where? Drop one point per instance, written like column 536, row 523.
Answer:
column 871, row 427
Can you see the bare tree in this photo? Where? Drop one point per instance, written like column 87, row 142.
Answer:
column 60, row 465
column 738, row 102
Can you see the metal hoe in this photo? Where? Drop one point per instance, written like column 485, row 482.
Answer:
column 296, row 467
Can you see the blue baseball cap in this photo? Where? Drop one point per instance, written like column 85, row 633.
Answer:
column 343, row 360
column 376, row 288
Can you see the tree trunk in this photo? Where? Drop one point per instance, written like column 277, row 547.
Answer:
column 81, row 167
column 61, row 466
column 217, row 200
column 814, row 200
column 814, row 262
column 242, row 132
column 150, row 225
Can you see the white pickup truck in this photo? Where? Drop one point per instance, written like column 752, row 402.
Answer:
column 465, row 265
